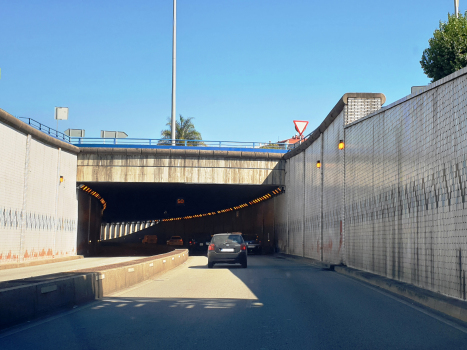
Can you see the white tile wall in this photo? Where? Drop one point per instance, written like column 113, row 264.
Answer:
column 405, row 190
column 36, row 221
column 313, row 192
column 402, row 201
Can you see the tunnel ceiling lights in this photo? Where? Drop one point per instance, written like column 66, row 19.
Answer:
column 241, row 206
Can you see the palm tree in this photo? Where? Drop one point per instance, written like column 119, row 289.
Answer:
column 184, row 130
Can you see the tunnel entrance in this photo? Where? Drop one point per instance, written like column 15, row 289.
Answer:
column 153, row 201
column 138, row 202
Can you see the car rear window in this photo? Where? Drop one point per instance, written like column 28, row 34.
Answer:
column 176, row 237
column 227, row 238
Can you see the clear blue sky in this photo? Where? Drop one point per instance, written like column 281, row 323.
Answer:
column 245, row 68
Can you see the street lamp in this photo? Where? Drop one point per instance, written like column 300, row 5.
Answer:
column 174, row 69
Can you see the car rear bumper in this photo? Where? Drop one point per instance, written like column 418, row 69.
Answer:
column 254, row 248
column 230, row 258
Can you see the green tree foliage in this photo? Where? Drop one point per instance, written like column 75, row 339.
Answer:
column 184, row 130
column 448, row 48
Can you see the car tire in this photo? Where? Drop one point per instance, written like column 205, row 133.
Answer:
column 210, row 265
column 244, row 264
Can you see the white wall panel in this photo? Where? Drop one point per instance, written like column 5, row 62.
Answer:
column 38, row 215
column 333, row 191
column 405, row 190
column 12, row 168
column 313, row 191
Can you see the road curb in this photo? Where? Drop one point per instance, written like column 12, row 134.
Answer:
column 310, row 261
column 27, row 299
column 450, row 306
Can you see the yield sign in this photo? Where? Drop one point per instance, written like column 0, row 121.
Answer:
column 300, row 126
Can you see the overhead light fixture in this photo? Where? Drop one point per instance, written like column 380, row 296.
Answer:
column 341, row 145
column 318, row 164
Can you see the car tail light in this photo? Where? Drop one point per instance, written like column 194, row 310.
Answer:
column 212, row 247
column 190, row 242
column 243, row 246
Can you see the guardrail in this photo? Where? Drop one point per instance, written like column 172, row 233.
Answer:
column 45, row 129
column 134, row 142
column 109, row 142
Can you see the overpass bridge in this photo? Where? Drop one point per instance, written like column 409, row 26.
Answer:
column 181, row 164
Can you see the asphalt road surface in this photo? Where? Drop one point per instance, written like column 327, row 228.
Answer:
column 275, row 303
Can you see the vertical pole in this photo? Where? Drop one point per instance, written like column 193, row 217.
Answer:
column 456, row 8
column 174, row 69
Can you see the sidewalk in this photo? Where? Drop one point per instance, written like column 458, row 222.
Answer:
column 61, row 267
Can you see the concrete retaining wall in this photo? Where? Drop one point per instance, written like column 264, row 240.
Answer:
column 393, row 202
column 25, row 300
column 309, row 219
column 405, row 197
column 38, row 213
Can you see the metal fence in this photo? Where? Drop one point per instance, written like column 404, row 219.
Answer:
column 134, row 142
column 45, row 129
column 90, row 141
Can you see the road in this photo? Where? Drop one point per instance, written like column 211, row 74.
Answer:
column 275, row 303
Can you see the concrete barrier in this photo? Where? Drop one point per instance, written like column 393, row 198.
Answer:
column 25, row 300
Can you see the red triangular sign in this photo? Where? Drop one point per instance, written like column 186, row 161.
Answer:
column 300, row 126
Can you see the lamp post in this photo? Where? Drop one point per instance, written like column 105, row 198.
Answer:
column 456, row 8
column 174, row 69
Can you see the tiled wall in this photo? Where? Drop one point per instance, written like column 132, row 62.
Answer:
column 406, row 176
column 313, row 203
column 394, row 201
column 38, row 214
column 358, row 107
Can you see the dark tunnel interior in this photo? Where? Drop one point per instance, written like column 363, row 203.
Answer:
column 152, row 201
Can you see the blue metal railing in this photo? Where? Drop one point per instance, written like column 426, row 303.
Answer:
column 45, row 129
column 150, row 143
column 109, row 142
